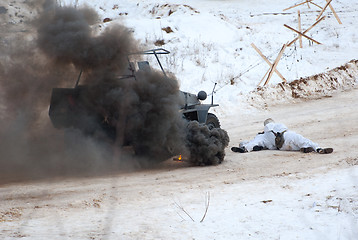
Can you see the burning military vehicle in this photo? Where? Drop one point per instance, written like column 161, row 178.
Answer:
column 144, row 109
column 113, row 103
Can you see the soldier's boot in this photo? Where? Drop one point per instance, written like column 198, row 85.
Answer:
column 307, row 150
column 258, row 148
column 239, row 149
column 324, row 150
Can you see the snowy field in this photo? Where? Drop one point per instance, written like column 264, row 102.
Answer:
column 260, row 195
column 210, row 41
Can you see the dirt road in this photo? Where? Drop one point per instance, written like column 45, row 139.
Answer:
column 329, row 121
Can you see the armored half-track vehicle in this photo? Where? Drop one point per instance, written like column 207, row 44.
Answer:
column 69, row 108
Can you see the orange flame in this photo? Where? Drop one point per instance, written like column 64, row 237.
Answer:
column 178, row 159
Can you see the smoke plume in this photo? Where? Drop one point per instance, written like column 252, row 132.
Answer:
column 56, row 46
column 206, row 147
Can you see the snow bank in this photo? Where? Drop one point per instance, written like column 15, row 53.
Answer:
column 325, row 84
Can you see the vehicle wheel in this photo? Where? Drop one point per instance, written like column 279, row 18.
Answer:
column 212, row 121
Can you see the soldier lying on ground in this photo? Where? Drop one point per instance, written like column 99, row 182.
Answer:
column 276, row 136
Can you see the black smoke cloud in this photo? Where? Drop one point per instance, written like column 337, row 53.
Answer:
column 144, row 110
column 66, row 35
column 206, row 147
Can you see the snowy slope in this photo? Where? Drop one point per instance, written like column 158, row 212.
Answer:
column 210, row 41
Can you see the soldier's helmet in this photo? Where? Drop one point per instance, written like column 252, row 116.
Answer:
column 267, row 121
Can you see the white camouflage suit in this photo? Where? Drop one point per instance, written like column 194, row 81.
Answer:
column 265, row 139
column 292, row 141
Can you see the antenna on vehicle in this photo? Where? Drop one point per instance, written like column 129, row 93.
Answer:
column 78, row 79
column 131, row 68
column 212, row 95
column 156, row 56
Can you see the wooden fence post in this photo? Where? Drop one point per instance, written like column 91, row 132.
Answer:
column 299, row 27
column 274, row 65
column 268, row 62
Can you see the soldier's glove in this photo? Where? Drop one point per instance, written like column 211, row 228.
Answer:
column 239, row 149
column 324, row 150
column 307, row 150
column 257, row 148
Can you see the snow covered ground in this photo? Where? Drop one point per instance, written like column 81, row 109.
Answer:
column 210, row 41
column 263, row 195
column 323, row 206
